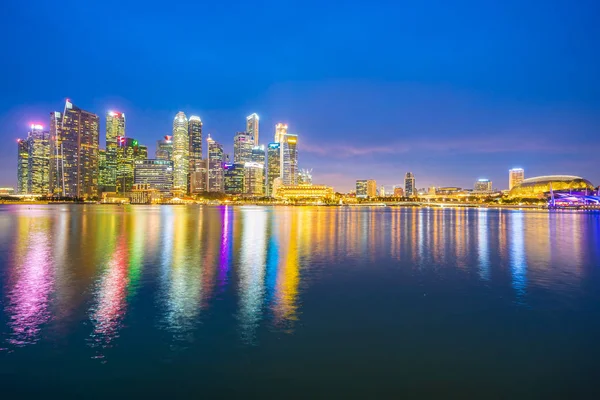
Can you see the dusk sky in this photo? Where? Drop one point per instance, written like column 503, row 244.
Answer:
column 374, row 89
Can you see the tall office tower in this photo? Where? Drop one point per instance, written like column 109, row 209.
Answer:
column 483, row 185
column 156, row 173
column 273, row 165
column 409, row 185
column 252, row 127
column 258, row 154
column 103, row 172
column 366, row 188
column 280, row 132
column 289, row 159
column 198, row 177
column 233, row 178
column 38, row 144
column 128, row 152
column 195, row 137
column 242, row 147
column 214, row 180
column 305, row 177
column 254, row 179
column 22, row 166
column 164, row 148
column 181, row 148
column 74, row 139
column 115, row 128
column 515, row 177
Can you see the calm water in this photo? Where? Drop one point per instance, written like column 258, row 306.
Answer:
column 102, row 301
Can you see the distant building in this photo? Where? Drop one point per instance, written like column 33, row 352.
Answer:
column 38, row 145
column 164, row 148
column 242, row 147
column 273, row 165
column 158, row 174
column 515, row 177
column 144, row 194
column 214, row 180
column 254, row 179
column 198, row 177
column 22, row 166
column 289, row 159
column 115, row 128
column 180, row 156
column 74, row 140
column 305, row 177
column 258, row 154
column 409, row 184
column 448, row 190
column 7, row 191
column 483, row 185
column 280, row 132
column 195, row 139
column 398, row 191
column 128, row 152
column 366, row 188
column 304, row 192
column 233, row 177
column 382, row 191
column 252, row 127
column 432, row 191
column 104, row 174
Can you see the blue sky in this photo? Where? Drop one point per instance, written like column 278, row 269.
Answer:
column 450, row 90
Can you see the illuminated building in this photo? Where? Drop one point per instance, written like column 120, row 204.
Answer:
column 115, row 128
column 252, row 127
column 280, row 132
column 432, row 191
column 398, row 191
column 305, row 177
column 164, row 148
column 254, row 179
column 483, row 185
column 143, row 193
column 242, row 147
column 214, row 181
column 448, row 190
column 233, row 177
column 198, row 177
column 366, row 188
column 541, row 186
column 74, row 139
column 515, row 177
column 195, row 146
column 156, row 173
column 38, row 161
column 409, row 184
column 104, row 175
column 7, row 191
column 258, row 154
column 382, row 191
column 273, row 165
column 304, row 192
column 128, row 152
column 289, row 159
column 180, row 157
column 22, row 166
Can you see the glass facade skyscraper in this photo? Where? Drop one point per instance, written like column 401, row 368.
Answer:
column 273, row 165
column 242, row 147
column 289, row 159
column 233, row 176
column 180, row 155
column 38, row 145
column 214, row 181
column 252, row 127
column 195, row 137
column 115, row 128
column 128, row 152
column 515, row 177
column 254, row 179
column 280, row 132
column 164, row 148
column 22, row 166
column 409, row 185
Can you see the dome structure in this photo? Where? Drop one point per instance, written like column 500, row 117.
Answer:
column 539, row 186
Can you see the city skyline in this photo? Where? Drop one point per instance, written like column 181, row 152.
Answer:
column 453, row 99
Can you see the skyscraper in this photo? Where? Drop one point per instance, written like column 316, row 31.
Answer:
column 252, row 127
column 305, row 177
column 258, row 154
column 214, row 181
column 515, row 177
column 128, row 152
column 156, row 173
column 273, row 165
column 289, row 159
column 74, row 152
column 280, row 132
column 195, row 137
column 22, row 166
column 164, row 148
column 409, row 185
column 242, row 147
column 181, row 146
column 483, row 185
column 38, row 144
column 254, row 179
column 103, row 172
column 115, row 128
column 198, row 177
column 233, row 178
column 366, row 188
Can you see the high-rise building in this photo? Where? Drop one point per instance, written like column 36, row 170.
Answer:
column 233, row 178
column 258, row 154
column 280, row 132
column 214, row 181
column 483, row 185
column 128, row 152
column 289, row 159
column 273, row 165
column 38, row 145
column 515, row 177
column 198, row 177
column 366, row 188
column 156, row 173
column 104, row 174
column 195, row 137
column 74, row 140
column 305, row 177
column 115, row 128
column 242, row 147
column 254, row 179
column 409, row 185
column 181, row 148
column 252, row 127
column 164, row 148
column 22, row 166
